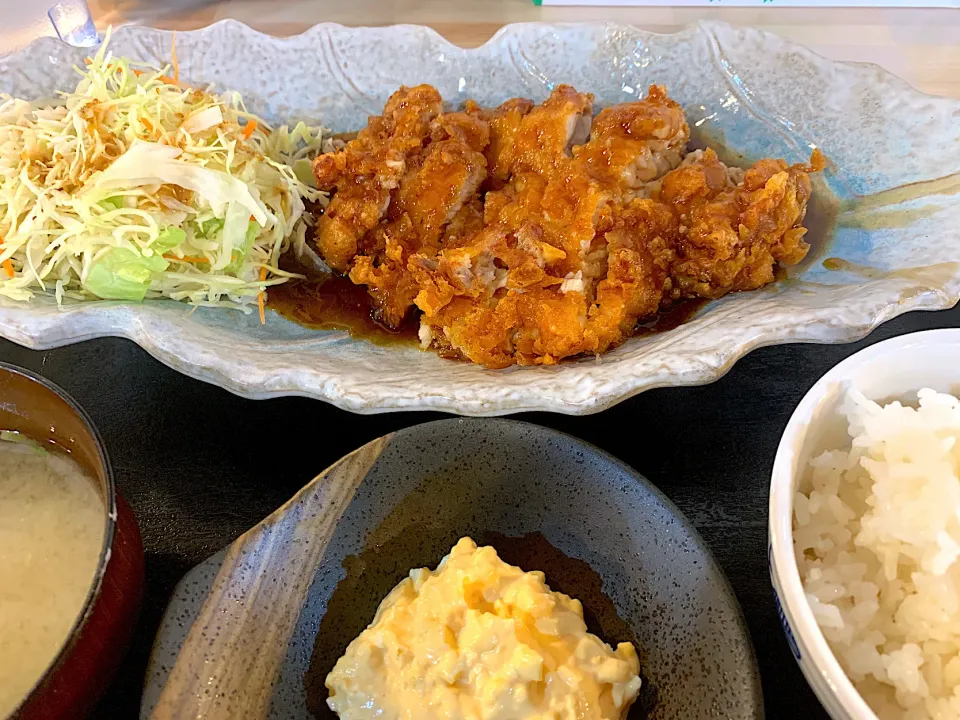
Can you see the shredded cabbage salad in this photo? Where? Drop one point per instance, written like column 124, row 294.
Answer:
column 139, row 186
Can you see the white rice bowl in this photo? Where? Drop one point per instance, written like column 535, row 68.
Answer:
column 877, row 542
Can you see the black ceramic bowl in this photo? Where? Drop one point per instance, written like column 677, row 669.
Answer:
column 259, row 625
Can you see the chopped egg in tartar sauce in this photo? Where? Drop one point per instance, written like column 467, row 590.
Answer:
column 478, row 639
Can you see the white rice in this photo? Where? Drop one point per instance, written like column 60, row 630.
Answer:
column 877, row 539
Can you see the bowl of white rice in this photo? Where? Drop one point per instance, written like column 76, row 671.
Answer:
column 865, row 531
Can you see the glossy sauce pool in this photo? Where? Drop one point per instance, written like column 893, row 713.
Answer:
column 335, row 303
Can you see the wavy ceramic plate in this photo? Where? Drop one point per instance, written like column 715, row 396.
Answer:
column 895, row 173
column 252, row 632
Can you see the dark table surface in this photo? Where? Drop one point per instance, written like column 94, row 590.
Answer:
column 200, row 466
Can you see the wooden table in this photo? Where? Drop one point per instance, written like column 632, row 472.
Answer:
column 200, row 465
column 922, row 46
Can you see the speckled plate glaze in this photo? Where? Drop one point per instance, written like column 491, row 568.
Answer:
column 240, row 630
column 896, row 173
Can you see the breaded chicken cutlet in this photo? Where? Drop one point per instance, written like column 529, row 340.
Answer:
column 528, row 233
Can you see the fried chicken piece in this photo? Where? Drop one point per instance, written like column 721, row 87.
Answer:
column 467, row 222
column 574, row 209
column 451, row 173
column 569, row 208
column 367, row 169
column 548, row 132
column 546, row 187
column 701, row 176
column 535, row 327
column 557, row 319
column 496, row 302
column 733, row 235
column 542, row 138
column 470, row 126
column 390, row 286
column 630, row 144
column 635, row 143
column 481, row 301
column 430, row 196
column 504, row 125
column 640, row 253
column 495, row 259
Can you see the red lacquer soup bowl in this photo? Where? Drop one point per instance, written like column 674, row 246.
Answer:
column 91, row 653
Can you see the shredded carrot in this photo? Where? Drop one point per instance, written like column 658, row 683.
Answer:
column 261, row 298
column 136, row 73
column 169, row 80
column 173, row 59
column 87, row 61
column 249, row 129
column 7, row 265
column 187, row 258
